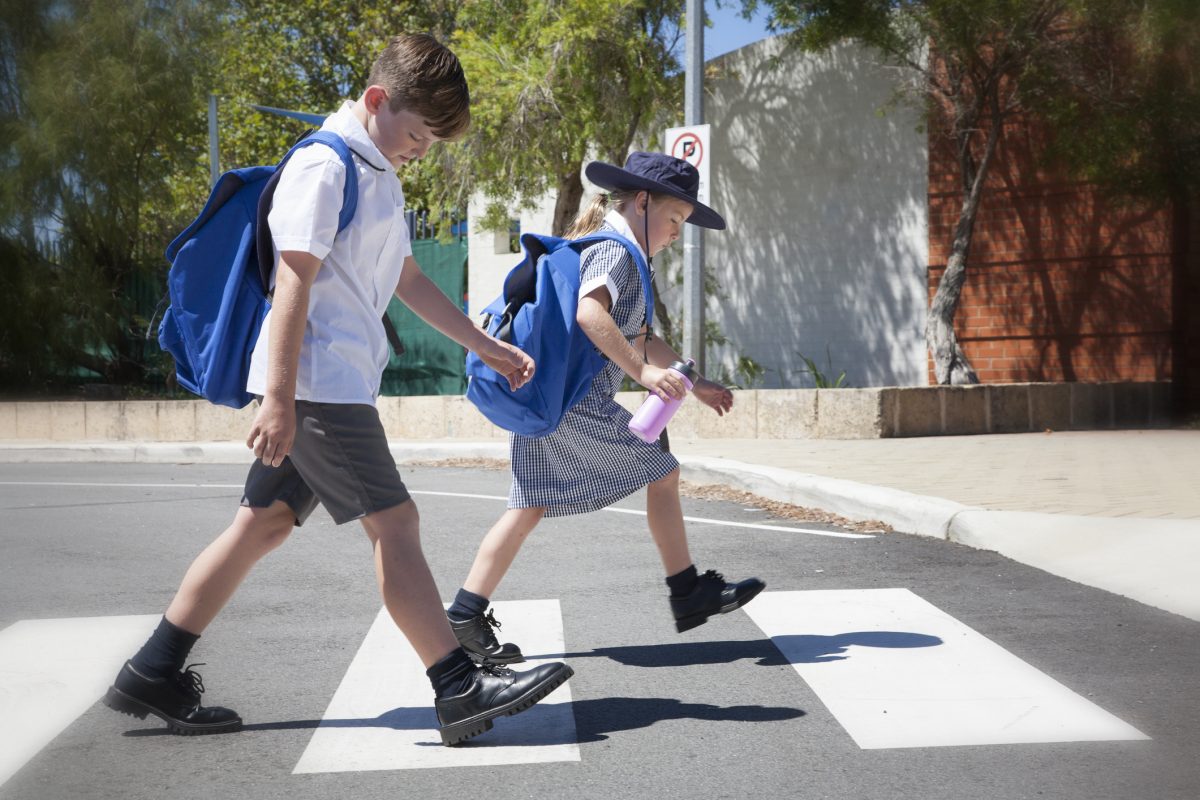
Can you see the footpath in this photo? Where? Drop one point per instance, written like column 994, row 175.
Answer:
column 1117, row 510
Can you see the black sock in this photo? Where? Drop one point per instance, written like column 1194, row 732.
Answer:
column 451, row 674
column 682, row 583
column 165, row 651
column 466, row 605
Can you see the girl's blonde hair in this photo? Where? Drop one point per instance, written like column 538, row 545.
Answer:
column 590, row 218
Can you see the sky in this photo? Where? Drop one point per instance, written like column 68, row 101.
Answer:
column 729, row 31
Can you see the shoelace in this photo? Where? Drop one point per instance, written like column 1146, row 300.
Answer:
column 489, row 635
column 712, row 574
column 190, row 681
column 499, row 670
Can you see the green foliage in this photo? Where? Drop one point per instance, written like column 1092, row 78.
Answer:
column 821, row 379
column 101, row 116
column 554, row 83
column 1124, row 95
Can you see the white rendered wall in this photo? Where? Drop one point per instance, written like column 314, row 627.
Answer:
column 487, row 269
column 826, row 201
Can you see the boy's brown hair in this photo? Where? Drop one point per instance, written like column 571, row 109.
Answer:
column 421, row 75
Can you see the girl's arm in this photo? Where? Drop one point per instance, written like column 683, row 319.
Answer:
column 593, row 317
column 426, row 300
column 713, row 395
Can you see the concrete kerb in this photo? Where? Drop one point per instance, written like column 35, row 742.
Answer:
column 902, row 511
column 1153, row 561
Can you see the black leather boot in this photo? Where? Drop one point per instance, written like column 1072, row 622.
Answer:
column 495, row 692
column 479, row 640
column 711, row 596
column 174, row 699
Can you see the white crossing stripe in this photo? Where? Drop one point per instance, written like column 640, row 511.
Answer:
column 896, row 671
column 381, row 717
column 51, row 671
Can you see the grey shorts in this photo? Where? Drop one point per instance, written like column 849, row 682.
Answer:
column 340, row 458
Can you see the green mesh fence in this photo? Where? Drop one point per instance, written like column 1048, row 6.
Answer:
column 431, row 363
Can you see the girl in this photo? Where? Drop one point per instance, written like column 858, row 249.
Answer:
column 592, row 459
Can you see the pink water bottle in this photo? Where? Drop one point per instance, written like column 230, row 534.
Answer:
column 649, row 420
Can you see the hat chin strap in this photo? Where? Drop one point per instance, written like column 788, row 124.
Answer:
column 646, row 231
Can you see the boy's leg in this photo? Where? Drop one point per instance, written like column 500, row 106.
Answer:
column 220, row 569
column 499, row 547
column 154, row 681
column 468, row 697
column 407, row 585
column 694, row 598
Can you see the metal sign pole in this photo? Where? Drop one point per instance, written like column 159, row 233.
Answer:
column 693, row 236
column 214, row 158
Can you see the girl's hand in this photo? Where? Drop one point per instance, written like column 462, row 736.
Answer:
column 663, row 382
column 713, row 395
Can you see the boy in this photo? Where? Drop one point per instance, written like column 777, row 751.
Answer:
column 317, row 436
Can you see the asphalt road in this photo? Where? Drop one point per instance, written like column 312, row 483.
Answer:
column 719, row 711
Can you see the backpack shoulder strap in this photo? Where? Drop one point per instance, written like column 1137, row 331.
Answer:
column 350, row 189
column 263, row 242
column 636, row 254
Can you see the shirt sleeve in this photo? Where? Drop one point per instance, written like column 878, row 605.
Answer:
column 606, row 264
column 307, row 202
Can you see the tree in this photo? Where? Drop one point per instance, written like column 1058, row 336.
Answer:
column 102, row 108
column 1114, row 83
column 968, row 63
column 554, row 84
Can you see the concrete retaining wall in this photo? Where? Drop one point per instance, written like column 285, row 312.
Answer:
column 757, row 414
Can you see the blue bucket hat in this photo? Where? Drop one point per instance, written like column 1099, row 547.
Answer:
column 659, row 173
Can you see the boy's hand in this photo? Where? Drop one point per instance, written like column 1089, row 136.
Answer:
column 511, row 362
column 713, row 395
column 665, row 383
column 273, row 431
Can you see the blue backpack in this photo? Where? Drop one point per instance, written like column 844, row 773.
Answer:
column 536, row 312
column 220, row 273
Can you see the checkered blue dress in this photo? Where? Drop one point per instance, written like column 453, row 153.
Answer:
column 592, row 460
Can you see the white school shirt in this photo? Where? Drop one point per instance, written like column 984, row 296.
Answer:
column 345, row 348
column 618, row 222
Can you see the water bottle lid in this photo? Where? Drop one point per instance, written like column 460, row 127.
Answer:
column 687, row 369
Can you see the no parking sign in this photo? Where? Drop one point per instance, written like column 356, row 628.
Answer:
column 691, row 144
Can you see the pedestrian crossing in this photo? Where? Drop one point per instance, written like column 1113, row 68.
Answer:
column 891, row 668
column 53, row 670
column 381, row 717
column 896, row 671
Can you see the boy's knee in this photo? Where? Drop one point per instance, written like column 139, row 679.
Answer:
column 268, row 528
column 400, row 521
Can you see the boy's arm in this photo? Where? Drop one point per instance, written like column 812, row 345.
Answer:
column 274, row 427
column 426, row 300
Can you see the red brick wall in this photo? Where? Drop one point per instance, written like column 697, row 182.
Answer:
column 1062, row 283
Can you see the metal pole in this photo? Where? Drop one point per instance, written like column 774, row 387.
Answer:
column 214, row 158
column 693, row 236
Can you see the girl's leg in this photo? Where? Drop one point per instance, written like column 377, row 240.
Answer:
column 499, row 547
column 665, row 516
column 218, row 571
column 694, row 598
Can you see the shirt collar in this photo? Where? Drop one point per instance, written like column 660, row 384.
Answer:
column 621, row 226
column 345, row 124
